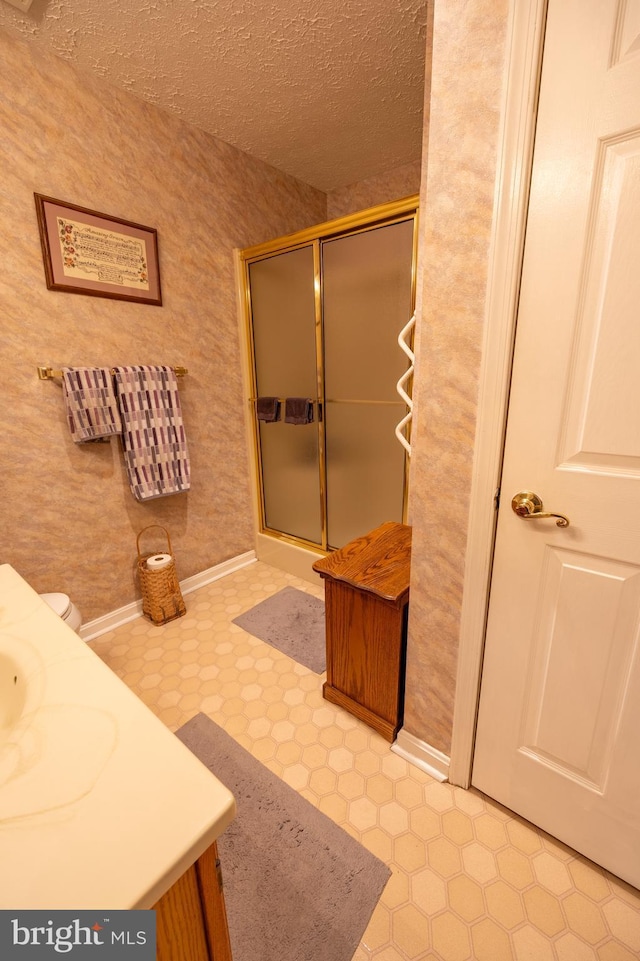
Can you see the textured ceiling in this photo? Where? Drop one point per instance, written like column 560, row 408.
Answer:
column 329, row 91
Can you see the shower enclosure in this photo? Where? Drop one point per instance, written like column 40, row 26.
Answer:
column 324, row 308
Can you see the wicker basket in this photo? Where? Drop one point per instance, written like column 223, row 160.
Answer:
column 161, row 595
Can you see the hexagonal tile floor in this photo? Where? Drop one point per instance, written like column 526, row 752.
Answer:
column 470, row 881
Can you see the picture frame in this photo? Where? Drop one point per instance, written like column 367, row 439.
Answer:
column 87, row 252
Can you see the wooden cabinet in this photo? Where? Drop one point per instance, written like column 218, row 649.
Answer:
column 191, row 919
column 366, row 606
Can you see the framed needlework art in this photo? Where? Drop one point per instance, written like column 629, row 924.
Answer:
column 87, row 252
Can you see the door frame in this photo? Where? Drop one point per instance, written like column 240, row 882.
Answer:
column 523, row 61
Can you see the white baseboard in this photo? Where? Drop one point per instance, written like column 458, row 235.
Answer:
column 190, row 584
column 109, row 622
column 418, row 752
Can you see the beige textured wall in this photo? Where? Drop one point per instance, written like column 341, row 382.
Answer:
column 456, row 217
column 69, row 522
column 394, row 184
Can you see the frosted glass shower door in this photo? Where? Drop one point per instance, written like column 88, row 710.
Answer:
column 367, row 300
column 284, row 341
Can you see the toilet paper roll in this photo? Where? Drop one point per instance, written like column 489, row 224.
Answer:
column 158, row 562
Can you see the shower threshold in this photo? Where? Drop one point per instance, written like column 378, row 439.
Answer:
column 288, row 556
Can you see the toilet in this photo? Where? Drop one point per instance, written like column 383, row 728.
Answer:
column 64, row 608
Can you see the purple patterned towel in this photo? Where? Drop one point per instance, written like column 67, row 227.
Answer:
column 92, row 409
column 153, row 436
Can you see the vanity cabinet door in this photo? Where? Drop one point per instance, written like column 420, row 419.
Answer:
column 191, row 919
column 213, row 907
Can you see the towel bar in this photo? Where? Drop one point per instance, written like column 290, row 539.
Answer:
column 47, row 373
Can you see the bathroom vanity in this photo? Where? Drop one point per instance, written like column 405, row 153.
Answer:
column 101, row 806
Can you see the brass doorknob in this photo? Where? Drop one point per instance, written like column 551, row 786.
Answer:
column 529, row 505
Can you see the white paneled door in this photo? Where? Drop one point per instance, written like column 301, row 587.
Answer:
column 558, row 737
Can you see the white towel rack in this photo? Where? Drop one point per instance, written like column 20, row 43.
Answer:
column 404, row 334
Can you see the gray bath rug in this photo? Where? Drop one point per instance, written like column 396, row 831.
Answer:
column 297, row 887
column 293, row 622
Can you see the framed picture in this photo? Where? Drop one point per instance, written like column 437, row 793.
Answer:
column 86, row 252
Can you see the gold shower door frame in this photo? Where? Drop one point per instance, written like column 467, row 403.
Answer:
column 370, row 219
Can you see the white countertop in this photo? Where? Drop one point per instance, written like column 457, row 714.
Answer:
column 101, row 806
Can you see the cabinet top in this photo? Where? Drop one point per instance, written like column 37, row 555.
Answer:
column 104, row 807
column 378, row 562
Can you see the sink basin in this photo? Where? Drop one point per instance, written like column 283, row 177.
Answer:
column 52, row 748
column 21, row 688
column 12, row 693
column 21, row 683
